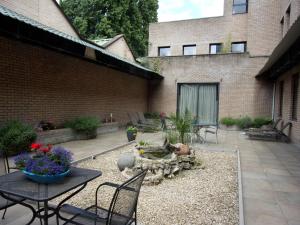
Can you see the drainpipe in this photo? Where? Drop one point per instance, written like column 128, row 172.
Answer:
column 273, row 101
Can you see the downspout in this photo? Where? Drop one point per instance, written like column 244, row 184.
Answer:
column 273, row 101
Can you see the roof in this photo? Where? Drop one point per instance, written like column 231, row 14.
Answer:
column 285, row 55
column 21, row 27
column 105, row 42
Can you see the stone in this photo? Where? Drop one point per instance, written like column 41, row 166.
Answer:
column 126, row 160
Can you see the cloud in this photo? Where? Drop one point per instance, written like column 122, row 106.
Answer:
column 170, row 10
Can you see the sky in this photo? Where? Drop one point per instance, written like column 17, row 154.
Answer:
column 170, row 10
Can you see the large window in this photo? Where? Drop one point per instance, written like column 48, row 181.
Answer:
column 189, row 50
column 164, row 51
column 280, row 106
column 238, row 47
column 295, row 93
column 215, row 48
column 240, row 6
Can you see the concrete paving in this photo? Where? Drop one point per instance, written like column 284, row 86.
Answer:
column 270, row 175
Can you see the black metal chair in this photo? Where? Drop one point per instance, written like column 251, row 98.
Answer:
column 211, row 130
column 4, row 169
column 122, row 210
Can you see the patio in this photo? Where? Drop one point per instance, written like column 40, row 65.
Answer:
column 270, row 175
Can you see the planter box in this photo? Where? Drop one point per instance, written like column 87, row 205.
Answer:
column 229, row 128
column 67, row 134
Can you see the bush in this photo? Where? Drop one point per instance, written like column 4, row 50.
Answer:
column 183, row 124
column 16, row 137
column 228, row 121
column 244, row 122
column 260, row 121
column 132, row 129
column 172, row 136
column 151, row 115
column 85, row 125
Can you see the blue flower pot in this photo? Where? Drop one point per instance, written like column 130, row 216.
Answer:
column 45, row 179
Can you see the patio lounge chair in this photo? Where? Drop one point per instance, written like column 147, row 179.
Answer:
column 133, row 117
column 4, row 169
column 122, row 209
column 274, row 127
column 270, row 135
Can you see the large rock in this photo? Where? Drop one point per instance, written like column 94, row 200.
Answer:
column 126, row 160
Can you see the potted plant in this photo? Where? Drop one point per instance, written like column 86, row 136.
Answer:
column 47, row 165
column 86, row 127
column 131, row 133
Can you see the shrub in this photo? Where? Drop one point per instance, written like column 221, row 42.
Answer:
column 131, row 129
column 244, row 122
column 228, row 121
column 85, row 125
column 260, row 121
column 183, row 124
column 16, row 137
column 151, row 115
column 172, row 136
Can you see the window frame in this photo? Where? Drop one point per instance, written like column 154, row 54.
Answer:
column 280, row 100
column 239, row 4
column 294, row 96
column 190, row 45
column 161, row 47
column 239, row 42
column 211, row 44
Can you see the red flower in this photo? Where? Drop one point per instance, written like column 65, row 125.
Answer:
column 35, row 146
column 45, row 149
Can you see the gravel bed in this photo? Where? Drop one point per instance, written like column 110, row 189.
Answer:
column 199, row 196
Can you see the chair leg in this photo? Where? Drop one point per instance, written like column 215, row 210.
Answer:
column 3, row 215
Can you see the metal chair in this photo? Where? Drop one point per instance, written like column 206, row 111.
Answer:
column 4, row 169
column 122, row 210
column 211, row 130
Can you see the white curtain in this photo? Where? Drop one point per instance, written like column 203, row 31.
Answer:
column 201, row 101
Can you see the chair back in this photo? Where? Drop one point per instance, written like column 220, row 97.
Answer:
column 133, row 118
column 125, row 199
column 3, row 163
column 141, row 117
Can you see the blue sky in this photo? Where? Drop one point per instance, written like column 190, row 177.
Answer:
column 170, row 10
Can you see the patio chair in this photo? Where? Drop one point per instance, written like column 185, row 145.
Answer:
column 211, row 130
column 122, row 209
column 137, row 123
column 271, row 135
column 274, row 127
column 4, row 169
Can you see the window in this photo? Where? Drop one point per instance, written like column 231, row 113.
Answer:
column 281, row 85
column 295, row 92
column 189, row 50
column 164, row 51
column 240, row 6
column 215, row 48
column 238, row 47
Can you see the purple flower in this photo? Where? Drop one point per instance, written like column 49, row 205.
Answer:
column 61, row 156
column 44, row 166
column 21, row 160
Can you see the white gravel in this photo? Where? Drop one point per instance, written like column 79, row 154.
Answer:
column 199, row 196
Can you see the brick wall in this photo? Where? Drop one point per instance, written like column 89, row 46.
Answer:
column 43, row 11
column 240, row 93
column 287, row 100
column 294, row 6
column 39, row 84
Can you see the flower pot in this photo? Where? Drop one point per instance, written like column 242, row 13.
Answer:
column 131, row 136
column 46, row 179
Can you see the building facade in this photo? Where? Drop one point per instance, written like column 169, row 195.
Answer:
column 227, row 52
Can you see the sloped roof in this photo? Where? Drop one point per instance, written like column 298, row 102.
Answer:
column 285, row 55
column 105, row 42
column 22, row 27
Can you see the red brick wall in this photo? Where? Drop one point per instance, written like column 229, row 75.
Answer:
column 287, row 100
column 39, row 84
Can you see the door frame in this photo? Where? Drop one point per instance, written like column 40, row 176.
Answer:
column 217, row 84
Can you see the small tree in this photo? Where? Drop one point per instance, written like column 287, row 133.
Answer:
column 182, row 124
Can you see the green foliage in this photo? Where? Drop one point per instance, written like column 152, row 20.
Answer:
column 260, row 121
column 143, row 143
column 85, row 125
column 106, row 19
column 151, row 115
column 131, row 129
column 16, row 137
column 244, row 122
column 228, row 121
column 182, row 124
column 172, row 136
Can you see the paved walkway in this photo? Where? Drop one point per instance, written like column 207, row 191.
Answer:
column 270, row 175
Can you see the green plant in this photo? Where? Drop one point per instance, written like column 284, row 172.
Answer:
column 151, row 115
column 16, row 137
column 182, row 124
column 260, row 121
column 228, row 121
column 143, row 143
column 172, row 136
column 85, row 125
column 244, row 122
column 131, row 129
